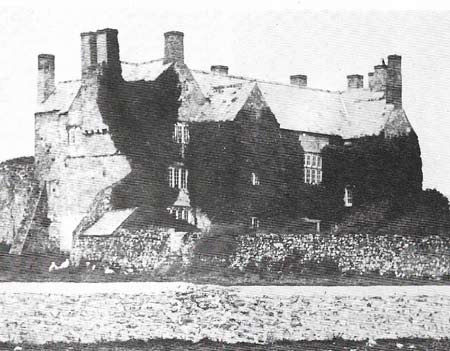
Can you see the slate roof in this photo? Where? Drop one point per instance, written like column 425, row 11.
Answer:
column 144, row 71
column 109, row 222
column 349, row 114
column 62, row 97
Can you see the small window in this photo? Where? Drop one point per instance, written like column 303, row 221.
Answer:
column 348, row 196
column 179, row 212
column 181, row 133
column 255, row 179
column 254, row 222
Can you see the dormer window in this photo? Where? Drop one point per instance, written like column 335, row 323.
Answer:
column 181, row 133
column 255, row 179
column 348, row 196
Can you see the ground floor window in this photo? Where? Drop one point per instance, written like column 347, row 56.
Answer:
column 348, row 196
column 254, row 222
column 179, row 212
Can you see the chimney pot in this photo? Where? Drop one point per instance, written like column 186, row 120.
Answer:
column 174, row 46
column 46, row 76
column 219, row 69
column 355, row 81
column 299, row 80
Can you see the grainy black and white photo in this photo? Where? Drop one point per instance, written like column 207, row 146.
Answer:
column 224, row 176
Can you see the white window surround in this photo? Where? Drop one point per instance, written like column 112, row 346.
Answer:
column 179, row 212
column 312, row 168
column 181, row 133
column 254, row 222
column 255, row 179
column 348, row 196
column 178, row 177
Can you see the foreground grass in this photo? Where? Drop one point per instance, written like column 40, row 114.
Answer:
column 206, row 345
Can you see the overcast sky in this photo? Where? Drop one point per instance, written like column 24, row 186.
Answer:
column 262, row 41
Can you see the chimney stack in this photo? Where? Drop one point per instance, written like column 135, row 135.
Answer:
column 355, row 81
column 394, row 81
column 88, row 53
column 371, row 77
column 299, row 80
column 46, row 76
column 379, row 77
column 99, row 49
column 220, row 70
column 173, row 47
column 108, row 49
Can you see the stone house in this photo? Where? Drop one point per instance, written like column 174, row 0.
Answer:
column 76, row 158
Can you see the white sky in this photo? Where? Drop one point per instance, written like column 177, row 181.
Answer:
column 257, row 39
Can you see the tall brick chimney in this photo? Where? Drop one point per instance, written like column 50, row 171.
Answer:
column 173, row 47
column 394, row 81
column 220, row 70
column 99, row 49
column 299, row 80
column 88, row 53
column 46, row 76
column 355, row 81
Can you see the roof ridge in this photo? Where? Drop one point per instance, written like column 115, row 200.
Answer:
column 141, row 63
column 271, row 82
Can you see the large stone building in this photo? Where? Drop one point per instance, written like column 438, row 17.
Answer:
column 76, row 157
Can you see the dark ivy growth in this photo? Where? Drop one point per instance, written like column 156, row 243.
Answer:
column 141, row 116
column 221, row 158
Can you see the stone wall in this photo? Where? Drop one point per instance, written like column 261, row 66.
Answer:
column 386, row 255
column 88, row 313
column 17, row 183
column 142, row 250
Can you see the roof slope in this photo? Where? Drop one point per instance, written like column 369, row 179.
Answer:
column 349, row 114
column 144, row 71
column 62, row 97
column 109, row 222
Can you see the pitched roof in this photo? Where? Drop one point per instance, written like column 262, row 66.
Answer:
column 144, row 71
column 109, row 222
column 349, row 114
column 62, row 97
column 224, row 102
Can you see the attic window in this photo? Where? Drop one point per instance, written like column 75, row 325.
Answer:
column 178, row 177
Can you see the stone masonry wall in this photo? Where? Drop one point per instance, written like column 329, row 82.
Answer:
column 143, row 250
column 88, row 313
column 16, row 186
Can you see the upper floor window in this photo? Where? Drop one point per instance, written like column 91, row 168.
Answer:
column 313, row 168
column 255, row 179
column 178, row 177
column 181, row 133
column 348, row 196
